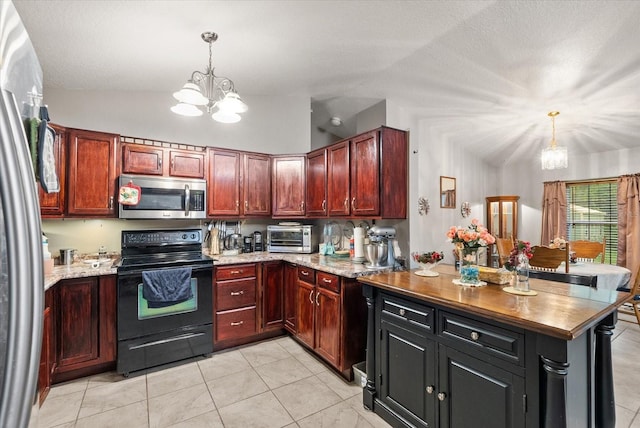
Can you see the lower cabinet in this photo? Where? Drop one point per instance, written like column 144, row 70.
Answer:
column 48, row 352
column 290, row 297
column 272, row 295
column 331, row 318
column 463, row 373
column 84, row 321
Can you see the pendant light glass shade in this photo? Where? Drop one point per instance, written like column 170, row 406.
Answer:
column 232, row 103
column 185, row 109
column 190, row 93
column 226, row 116
column 554, row 156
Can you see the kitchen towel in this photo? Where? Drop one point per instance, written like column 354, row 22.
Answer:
column 166, row 287
column 358, row 242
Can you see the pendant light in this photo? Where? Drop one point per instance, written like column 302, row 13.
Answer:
column 554, row 156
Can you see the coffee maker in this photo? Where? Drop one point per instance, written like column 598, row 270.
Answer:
column 379, row 251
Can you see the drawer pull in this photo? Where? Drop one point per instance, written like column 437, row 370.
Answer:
column 235, row 324
column 326, row 281
column 311, row 296
column 402, row 312
column 304, row 273
column 237, row 293
column 430, row 389
column 475, row 335
column 235, row 272
column 442, row 396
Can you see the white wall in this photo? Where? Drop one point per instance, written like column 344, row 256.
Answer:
column 526, row 180
column 273, row 125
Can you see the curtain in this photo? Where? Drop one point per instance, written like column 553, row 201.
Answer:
column 629, row 223
column 554, row 211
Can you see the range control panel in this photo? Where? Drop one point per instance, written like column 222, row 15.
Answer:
column 147, row 238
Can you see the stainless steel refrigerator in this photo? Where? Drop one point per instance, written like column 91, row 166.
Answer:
column 21, row 270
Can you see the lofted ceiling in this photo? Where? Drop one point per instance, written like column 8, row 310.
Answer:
column 481, row 74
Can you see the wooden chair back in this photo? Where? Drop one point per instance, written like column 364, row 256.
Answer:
column 634, row 300
column 504, row 247
column 569, row 278
column 549, row 259
column 588, row 251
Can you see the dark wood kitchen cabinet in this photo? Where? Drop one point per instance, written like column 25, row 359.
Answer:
column 316, row 184
column 85, row 326
column 52, row 204
column 338, row 180
column 272, row 295
column 290, row 297
column 331, row 318
column 288, row 186
column 48, row 352
column 235, row 302
column 365, row 175
column 163, row 161
column 239, row 184
column 92, row 172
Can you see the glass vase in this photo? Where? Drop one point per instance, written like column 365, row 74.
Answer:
column 522, row 273
column 469, row 272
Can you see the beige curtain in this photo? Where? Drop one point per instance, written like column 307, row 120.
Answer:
column 629, row 223
column 554, row 211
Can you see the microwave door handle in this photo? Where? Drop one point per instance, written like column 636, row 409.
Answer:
column 187, row 200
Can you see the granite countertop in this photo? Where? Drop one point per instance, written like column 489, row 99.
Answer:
column 335, row 265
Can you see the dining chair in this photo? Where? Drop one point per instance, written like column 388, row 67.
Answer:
column 569, row 278
column 504, row 247
column 549, row 259
column 588, row 251
column 634, row 300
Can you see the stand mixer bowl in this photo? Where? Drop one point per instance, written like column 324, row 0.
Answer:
column 377, row 253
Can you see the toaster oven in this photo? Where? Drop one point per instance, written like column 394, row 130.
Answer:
column 292, row 239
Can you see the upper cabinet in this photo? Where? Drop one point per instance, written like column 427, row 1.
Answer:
column 366, row 176
column 164, row 161
column 288, row 186
column 239, row 184
column 502, row 216
column 92, row 173
column 52, row 204
column 316, row 183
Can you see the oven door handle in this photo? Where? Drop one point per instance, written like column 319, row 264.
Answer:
column 187, row 200
column 194, row 269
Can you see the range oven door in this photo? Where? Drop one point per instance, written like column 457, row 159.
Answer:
column 149, row 337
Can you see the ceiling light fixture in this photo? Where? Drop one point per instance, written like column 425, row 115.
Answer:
column 217, row 93
column 554, row 156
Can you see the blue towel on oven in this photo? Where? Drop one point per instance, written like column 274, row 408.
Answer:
column 166, row 287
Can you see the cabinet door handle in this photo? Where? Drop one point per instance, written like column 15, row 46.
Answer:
column 237, row 293
column 353, row 203
column 475, row 335
column 235, row 324
column 311, row 296
column 173, row 162
column 324, row 205
column 430, row 389
column 326, row 281
column 304, row 273
column 237, row 204
column 317, row 295
column 442, row 396
column 346, row 203
column 110, row 202
column 246, row 205
column 159, row 163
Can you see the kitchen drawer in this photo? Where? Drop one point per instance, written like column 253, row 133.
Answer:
column 235, row 271
column 235, row 294
column 497, row 341
column 306, row 274
column 235, row 323
column 328, row 281
column 408, row 313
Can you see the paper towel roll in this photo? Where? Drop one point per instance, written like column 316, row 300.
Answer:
column 358, row 242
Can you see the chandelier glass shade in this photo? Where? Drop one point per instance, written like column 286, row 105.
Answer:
column 554, row 156
column 205, row 90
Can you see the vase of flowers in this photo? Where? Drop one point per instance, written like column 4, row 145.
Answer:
column 518, row 263
column 468, row 240
column 427, row 261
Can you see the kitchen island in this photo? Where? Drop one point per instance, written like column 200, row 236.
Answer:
column 443, row 355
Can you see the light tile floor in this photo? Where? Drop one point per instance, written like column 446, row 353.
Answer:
column 274, row 383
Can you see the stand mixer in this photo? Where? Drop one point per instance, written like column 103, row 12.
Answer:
column 379, row 251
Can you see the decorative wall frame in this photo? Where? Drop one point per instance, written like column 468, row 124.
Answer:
column 423, row 205
column 465, row 209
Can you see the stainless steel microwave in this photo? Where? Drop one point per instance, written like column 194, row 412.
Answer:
column 291, row 239
column 165, row 198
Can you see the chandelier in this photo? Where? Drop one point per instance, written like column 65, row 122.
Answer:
column 554, row 156
column 205, row 89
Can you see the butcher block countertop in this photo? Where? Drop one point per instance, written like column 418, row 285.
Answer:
column 559, row 310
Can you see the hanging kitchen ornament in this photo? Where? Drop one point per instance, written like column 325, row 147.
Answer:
column 465, row 209
column 129, row 194
column 423, row 206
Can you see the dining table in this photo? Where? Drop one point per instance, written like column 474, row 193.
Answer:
column 610, row 277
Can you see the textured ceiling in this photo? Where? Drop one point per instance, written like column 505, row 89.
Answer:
column 483, row 74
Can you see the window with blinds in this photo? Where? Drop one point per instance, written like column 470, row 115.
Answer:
column 592, row 213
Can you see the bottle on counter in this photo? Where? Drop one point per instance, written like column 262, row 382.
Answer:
column 46, row 256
